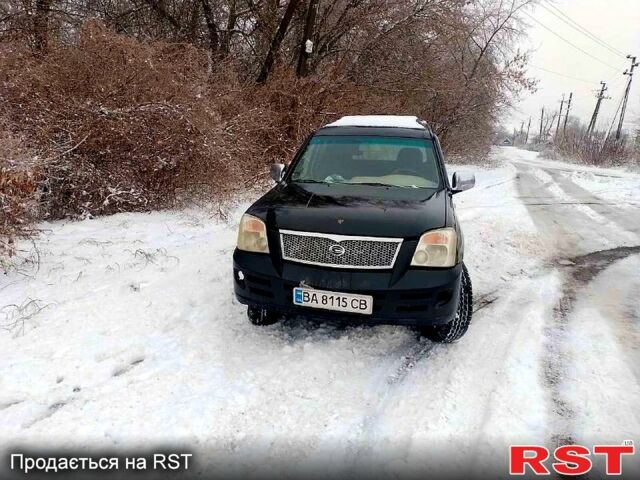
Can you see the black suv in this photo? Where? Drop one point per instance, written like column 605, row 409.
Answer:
column 360, row 226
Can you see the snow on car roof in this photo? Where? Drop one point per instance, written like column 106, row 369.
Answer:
column 398, row 121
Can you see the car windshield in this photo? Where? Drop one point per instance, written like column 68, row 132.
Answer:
column 369, row 160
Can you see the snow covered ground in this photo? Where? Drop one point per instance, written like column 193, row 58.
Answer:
column 128, row 336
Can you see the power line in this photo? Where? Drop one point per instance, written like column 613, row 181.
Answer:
column 611, row 86
column 616, row 82
column 563, row 75
column 569, row 42
column 576, row 26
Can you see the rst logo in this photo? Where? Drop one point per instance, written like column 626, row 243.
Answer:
column 569, row 459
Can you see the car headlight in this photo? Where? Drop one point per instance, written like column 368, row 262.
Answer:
column 436, row 248
column 252, row 235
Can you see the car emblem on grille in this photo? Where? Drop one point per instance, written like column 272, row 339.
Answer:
column 337, row 250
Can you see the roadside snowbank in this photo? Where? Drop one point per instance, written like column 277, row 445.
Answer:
column 501, row 240
column 619, row 189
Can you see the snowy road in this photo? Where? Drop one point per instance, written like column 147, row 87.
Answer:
column 128, row 336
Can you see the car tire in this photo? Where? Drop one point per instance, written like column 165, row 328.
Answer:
column 261, row 316
column 456, row 328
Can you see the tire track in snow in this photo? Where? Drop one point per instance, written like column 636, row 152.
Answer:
column 394, row 375
column 568, row 230
column 9, row 404
column 51, row 409
column 553, row 223
column 418, row 352
column 423, row 348
column 392, row 380
column 621, row 218
column 516, row 303
column 398, row 369
column 581, row 271
column 500, row 329
column 566, row 235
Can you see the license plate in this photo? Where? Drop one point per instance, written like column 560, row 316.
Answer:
column 340, row 302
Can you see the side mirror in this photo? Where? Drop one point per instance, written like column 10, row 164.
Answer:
column 462, row 181
column 277, row 171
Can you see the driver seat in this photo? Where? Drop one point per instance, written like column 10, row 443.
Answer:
column 410, row 158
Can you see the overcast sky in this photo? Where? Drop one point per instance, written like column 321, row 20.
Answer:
column 616, row 22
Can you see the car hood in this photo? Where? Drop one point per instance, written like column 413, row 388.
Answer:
column 352, row 209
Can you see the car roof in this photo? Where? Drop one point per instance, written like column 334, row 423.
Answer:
column 378, row 125
column 398, row 121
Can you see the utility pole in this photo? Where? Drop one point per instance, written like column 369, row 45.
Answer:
column 306, row 47
column 566, row 117
column 600, row 96
column 519, row 137
column 559, row 116
column 526, row 139
column 629, row 72
column 541, row 119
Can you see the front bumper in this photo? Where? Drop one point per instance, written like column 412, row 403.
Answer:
column 417, row 296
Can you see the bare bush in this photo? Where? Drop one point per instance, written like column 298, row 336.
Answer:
column 138, row 106
column 123, row 125
column 268, row 122
column 15, row 316
column 120, row 124
column 18, row 199
column 594, row 149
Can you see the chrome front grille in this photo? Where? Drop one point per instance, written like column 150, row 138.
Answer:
column 324, row 249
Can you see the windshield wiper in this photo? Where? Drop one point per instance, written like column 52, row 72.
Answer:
column 375, row 184
column 307, row 180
